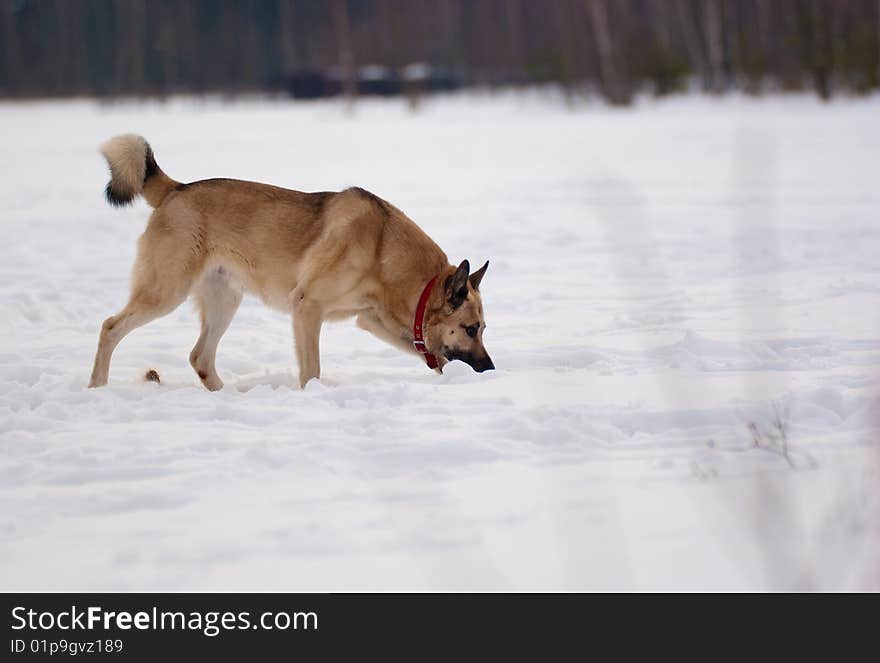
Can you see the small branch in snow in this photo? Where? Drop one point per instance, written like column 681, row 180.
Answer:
column 775, row 440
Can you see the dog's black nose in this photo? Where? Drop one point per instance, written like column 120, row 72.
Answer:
column 485, row 365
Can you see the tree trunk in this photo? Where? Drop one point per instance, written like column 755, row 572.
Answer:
column 820, row 47
column 714, row 45
column 611, row 82
column 562, row 21
column 344, row 53
column 878, row 43
column 733, row 31
column 513, row 26
column 287, row 36
column 659, row 18
column 692, row 40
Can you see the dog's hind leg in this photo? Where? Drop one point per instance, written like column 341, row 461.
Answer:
column 144, row 306
column 217, row 301
column 162, row 276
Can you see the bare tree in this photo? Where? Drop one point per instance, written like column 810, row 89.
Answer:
column 286, row 35
column 512, row 11
column 611, row 82
column 691, row 38
column 878, row 42
column 714, row 45
column 345, row 55
column 562, row 24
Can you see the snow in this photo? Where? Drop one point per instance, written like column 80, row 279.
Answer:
column 682, row 304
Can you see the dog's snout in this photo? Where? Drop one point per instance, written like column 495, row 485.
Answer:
column 485, row 364
column 478, row 363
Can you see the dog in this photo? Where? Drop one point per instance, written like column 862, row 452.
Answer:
column 319, row 256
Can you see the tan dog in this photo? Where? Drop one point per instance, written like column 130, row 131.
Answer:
column 320, row 256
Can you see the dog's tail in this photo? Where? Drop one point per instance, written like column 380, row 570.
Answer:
column 134, row 172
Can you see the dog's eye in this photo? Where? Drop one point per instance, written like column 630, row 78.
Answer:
column 472, row 330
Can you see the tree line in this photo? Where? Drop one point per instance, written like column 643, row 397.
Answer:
column 612, row 47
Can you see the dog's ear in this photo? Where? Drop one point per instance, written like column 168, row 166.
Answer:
column 477, row 276
column 456, row 285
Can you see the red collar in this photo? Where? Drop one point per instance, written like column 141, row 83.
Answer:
column 418, row 337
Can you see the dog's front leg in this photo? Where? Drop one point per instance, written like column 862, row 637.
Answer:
column 306, row 334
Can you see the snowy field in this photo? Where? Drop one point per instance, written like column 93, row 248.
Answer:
column 683, row 305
